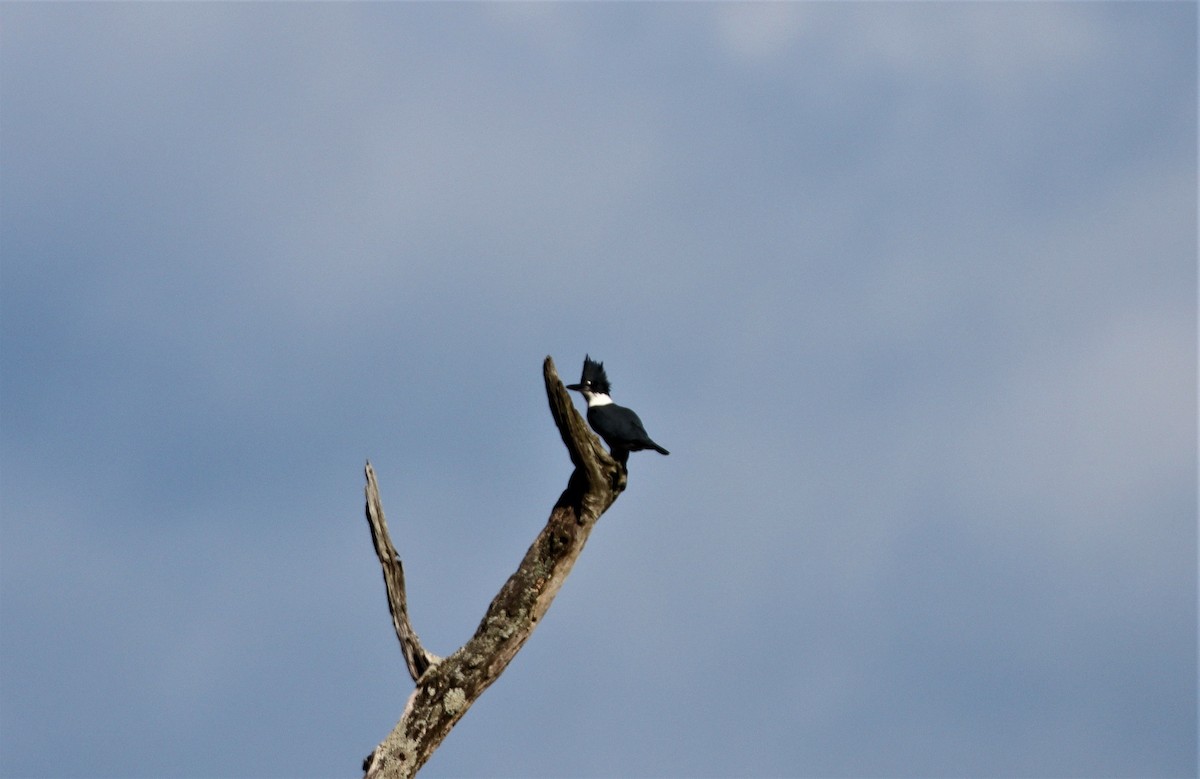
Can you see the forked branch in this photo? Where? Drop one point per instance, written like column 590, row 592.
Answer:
column 447, row 687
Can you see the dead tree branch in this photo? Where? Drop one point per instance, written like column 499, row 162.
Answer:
column 447, row 687
column 415, row 656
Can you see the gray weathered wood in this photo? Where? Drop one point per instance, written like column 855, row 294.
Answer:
column 415, row 656
column 446, row 687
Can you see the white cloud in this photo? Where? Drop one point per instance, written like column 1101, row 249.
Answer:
column 760, row 32
column 1004, row 49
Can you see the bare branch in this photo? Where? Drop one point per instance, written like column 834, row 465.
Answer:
column 447, row 688
column 415, row 656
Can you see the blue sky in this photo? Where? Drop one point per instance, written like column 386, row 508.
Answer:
column 908, row 290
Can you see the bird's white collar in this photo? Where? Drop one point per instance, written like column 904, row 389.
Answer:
column 598, row 399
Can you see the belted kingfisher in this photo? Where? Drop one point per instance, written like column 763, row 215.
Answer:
column 618, row 426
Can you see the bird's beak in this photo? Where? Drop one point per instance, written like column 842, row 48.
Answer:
column 576, row 387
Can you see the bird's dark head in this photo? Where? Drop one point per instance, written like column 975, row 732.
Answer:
column 594, row 381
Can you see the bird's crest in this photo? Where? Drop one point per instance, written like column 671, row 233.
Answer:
column 593, row 377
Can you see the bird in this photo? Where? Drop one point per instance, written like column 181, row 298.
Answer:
column 618, row 426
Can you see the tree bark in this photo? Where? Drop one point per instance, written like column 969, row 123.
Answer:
column 446, row 687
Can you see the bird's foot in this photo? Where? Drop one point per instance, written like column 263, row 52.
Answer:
column 619, row 478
